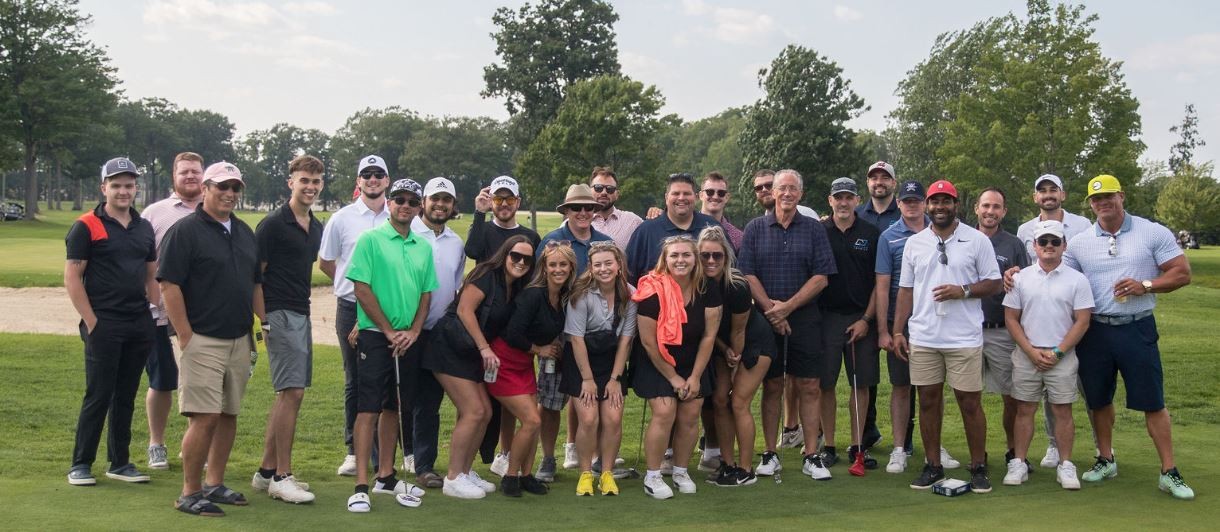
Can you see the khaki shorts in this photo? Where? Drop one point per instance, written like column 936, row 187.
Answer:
column 997, row 360
column 1059, row 384
column 962, row 367
column 212, row 375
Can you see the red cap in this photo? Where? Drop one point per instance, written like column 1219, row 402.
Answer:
column 942, row 187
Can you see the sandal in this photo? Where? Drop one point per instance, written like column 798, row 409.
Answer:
column 359, row 503
column 221, row 494
column 197, row 504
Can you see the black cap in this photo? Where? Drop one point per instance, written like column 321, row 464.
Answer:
column 910, row 189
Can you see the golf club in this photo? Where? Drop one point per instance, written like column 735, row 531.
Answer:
column 778, row 477
column 404, row 499
column 856, row 469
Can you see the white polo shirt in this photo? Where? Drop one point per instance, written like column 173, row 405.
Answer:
column 970, row 260
column 1073, row 224
column 339, row 239
column 1047, row 301
column 449, row 258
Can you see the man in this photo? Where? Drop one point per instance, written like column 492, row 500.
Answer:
column 110, row 278
column 848, row 316
column 998, row 344
column 610, row 220
column 679, row 218
column 209, row 274
column 786, row 258
column 338, row 241
column 393, row 276
column 946, row 268
column 162, row 369
column 578, row 210
column 419, row 386
column 288, row 242
column 1047, row 313
column 1127, row 259
column 763, row 181
column 716, row 197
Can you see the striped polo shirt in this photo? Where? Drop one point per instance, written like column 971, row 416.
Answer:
column 1140, row 247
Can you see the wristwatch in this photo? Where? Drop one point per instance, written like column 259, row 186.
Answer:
column 1058, row 353
column 966, row 291
column 1147, row 286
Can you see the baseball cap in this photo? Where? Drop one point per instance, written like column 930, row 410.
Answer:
column 1104, row 184
column 1048, row 177
column 942, row 187
column 119, row 165
column 406, row 185
column 844, row 184
column 910, row 189
column 505, row 183
column 1049, row 227
column 437, row 185
column 887, row 167
column 372, row 160
column 221, row 172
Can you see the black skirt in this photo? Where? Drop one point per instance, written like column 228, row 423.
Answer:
column 440, row 357
column 601, row 347
column 650, row 384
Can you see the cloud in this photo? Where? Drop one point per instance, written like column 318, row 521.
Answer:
column 641, row 66
column 312, row 8
column 1201, row 50
column 730, row 24
column 847, row 14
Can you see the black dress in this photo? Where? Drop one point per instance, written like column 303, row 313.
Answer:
column 441, row 355
column 646, row 380
column 760, row 341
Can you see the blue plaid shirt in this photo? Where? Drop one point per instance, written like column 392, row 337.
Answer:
column 784, row 259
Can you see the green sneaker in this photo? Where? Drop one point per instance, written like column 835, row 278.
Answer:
column 1172, row 483
column 1101, row 470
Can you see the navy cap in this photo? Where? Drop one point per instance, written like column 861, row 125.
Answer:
column 117, row 166
column 406, row 185
column 910, row 189
column 844, row 184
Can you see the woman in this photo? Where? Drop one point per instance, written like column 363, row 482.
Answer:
column 743, row 353
column 461, row 355
column 677, row 320
column 536, row 324
column 600, row 325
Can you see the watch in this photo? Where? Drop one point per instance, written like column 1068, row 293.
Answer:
column 1147, row 286
column 1058, row 353
column 966, row 291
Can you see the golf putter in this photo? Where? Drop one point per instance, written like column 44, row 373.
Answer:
column 404, row 499
column 778, row 476
column 857, row 468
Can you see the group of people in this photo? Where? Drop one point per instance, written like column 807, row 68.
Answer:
column 680, row 307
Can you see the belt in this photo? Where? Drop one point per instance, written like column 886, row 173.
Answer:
column 1120, row 319
column 993, row 325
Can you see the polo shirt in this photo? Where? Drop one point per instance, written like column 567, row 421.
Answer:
column 1047, row 301
column 1073, row 224
column 889, row 256
column 117, row 264
column 881, row 220
column 1009, row 252
column 732, row 232
column 449, row 261
column 289, row 253
column 1142, row 247
column 617, row 223
column 579, row 247
column 339, row 238
column 783, row 259
column 591, row 313
column 971, row 259
column 397, row 269
column 216, row 270
column 165, row 213
column 855, row 254
column 486, row 237
column 645, row 246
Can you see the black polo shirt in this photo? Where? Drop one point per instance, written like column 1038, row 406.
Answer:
column 289, row 253
column 217, row 271
column 855, row 252
column 118, row 260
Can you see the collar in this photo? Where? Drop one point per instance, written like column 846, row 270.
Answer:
column 290, row 217
column 927, row 222
column 420, row 228
column 388, row 228
column 610, row 214
column 1127, row 223
column 363, row 209
column 100, row 212
column 771, row 219
column 868, row 205
column 203, row 215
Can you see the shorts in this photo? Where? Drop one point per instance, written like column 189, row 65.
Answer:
column 899, row 370
column 804, row 345
column 865, row 365
column 375, row 390
column 1058, row 384
column 961, row 368
column 550, row 390
column 212, row 374
column 516, row 375
column 162, row 368
column 648, row 383
column 997, row 360
column 289, row 350
column 1131, row 349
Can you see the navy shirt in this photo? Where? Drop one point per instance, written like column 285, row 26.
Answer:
column 645, row 246
column 855, row 252
column 289, row 253
column 117, row 264
column 485, row 237
column 784, row 259
column 881, row 220
column 579, row 247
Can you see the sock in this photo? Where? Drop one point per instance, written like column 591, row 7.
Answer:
column 279, row 478
column 388, row 482
column 679, row 470
column 362, row 488
column 652, row 473
column 711, row 452
column 265, row 473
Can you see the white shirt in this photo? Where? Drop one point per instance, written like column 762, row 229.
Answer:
column 1073, row 224
column 450, row 261
column 1047, row 301
column 971, row 259
column 339, row 239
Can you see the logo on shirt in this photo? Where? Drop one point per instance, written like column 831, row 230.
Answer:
column 1003, row 262
column 861, row 244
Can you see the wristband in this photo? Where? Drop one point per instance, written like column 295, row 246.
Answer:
column 1058, row 353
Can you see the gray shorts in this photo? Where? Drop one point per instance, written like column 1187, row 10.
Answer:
column 997, row 361
column 549, row 394
column 289, row 350
column 1059, row 383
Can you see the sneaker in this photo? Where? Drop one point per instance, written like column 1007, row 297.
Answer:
column 721, row 472
column 399, row 486
column 197, row 504
column 667, row 463
column 289, row 491
column 621, row 473
column 1101, row 470
column 791, row 438
column 300, row 483
column 510, row 485
column 570, row 459
column 499, row 466
column 726, row 477
column 745, row 478
column 158, row 457
column 619, row 461
column 947, row 461
column 128, row 473
column 259, row 482
column 709, row 464
column 478, row 481
column 584, row 486
column 656, row 487
column 408, row 463
column 979, row 483
column 829, row 457
column 1172, row 483
column 429, row 479
column 348, row 467
column 768, row 465
column 815, row 467
column 871, row 439
column 931, row 476
column 607, row 484
column 546, row 470
column 869, row 461
column 81, row 476
column 1065, row 473
column 359, row 503
column 596, row 466
column 461, row 488
column 898, row 461
column 1018, row 473
column 531, row 484
column 1051, row 458
column 684, row 483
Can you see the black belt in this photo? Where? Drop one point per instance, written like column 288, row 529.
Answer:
column 993, row 325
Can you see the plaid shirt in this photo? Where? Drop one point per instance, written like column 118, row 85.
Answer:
column 784, row 259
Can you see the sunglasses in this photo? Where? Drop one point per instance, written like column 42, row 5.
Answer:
column 227, row 186
column 762, row 187
column 399, row 200
column 1055, row 242
column 374, row 175
column 583, row 208
column 525, row 258
column 712, row 255
column 608, row 189
column 558, row 243
column 944, row 257
column 1113, row 246
column 720, row 193
column 501, row 200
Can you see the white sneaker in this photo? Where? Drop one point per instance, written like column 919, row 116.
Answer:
column 1018, row 472
column 656, row 488
column 348, row 468
column 815, row 467
column 684, row 483
column 461, row 488
column 709, row 464
column 619, row 461
column 898, row 461
column 791, row 439
column 499, row 466
column 1065, row 473
column 408, row 464
column 1051, row 459
column 259, row 483
column 768, row 465
column 401, row 486
column 947, row 461
column 359, row 503
column 478, row 482
column 570, row 460
column 302, row 484
column 289, row 491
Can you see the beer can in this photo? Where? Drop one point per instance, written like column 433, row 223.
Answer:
column 548, row 366
column 490, row 375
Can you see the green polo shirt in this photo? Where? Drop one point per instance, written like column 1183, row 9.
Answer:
column 398, row 270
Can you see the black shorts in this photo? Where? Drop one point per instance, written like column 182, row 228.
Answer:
column 900, row 371
column 650, row 384
column 439, row 357
column 161, row 367
column 374, row 373
column 1131, row 350
column 867, row 365
column 803, row 359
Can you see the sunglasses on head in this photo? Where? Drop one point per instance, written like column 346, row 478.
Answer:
column 373, row 175
column 1056, row 242
column 525, row 258
column 762, row 187
column 501, row 200
column 720, row 193
column 412, row 201
column 712, row 255
column 582, row 208
column 608, row 189
column 558, row 243
column 677, row 238
column 227, row 186
column 944, row 257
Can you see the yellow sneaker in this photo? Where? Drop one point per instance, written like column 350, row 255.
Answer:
column 609, row 487
column 585, row 485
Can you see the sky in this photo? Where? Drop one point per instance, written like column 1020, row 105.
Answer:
column 313, row 63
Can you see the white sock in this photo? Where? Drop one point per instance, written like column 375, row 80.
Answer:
column 711, row 452
column 652, row 473
column 679, row 470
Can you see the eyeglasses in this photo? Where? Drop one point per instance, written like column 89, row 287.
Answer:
column 762, row 187
column 373, row 175
column 944, row 257
column 1054, row 242
column 1113, row 246
column 720, row 193
column 227, row 186
column 558, row 243
column 525, row 258
column 501, row 200
column 583, row 208
column 712, row 255
column 399, row 200
column 608, row 189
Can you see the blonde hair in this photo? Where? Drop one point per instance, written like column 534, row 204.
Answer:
column 731, row 276
column 696, row 274
column 540, row 277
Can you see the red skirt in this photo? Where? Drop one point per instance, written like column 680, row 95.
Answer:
column 516, row 375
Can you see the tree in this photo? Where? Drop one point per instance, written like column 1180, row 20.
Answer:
column 150, row 140
column 54, row 81
column 801, row 121
column 1182, row 153
column 1191, row 200
column 705, row 145
column 468, row 151
column 383, row 132
column 263, row 158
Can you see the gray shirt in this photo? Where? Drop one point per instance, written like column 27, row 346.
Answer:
column 1009, row 252
column 592, row 313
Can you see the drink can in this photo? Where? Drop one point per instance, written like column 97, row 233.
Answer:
column 490, row 375
column 940, row 309
column 548, row 365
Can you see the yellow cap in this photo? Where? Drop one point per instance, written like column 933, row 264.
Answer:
column 1104, row 184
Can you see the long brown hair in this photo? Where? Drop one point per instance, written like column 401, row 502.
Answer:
column 587, row 283
column 540, row 280
column 496, row 264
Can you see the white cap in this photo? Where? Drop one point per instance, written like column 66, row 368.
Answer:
column 1048, row 177
column 1049, row 227
column 884, row 166
column 372, row 160
column 505, row 183
column 437, row 185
